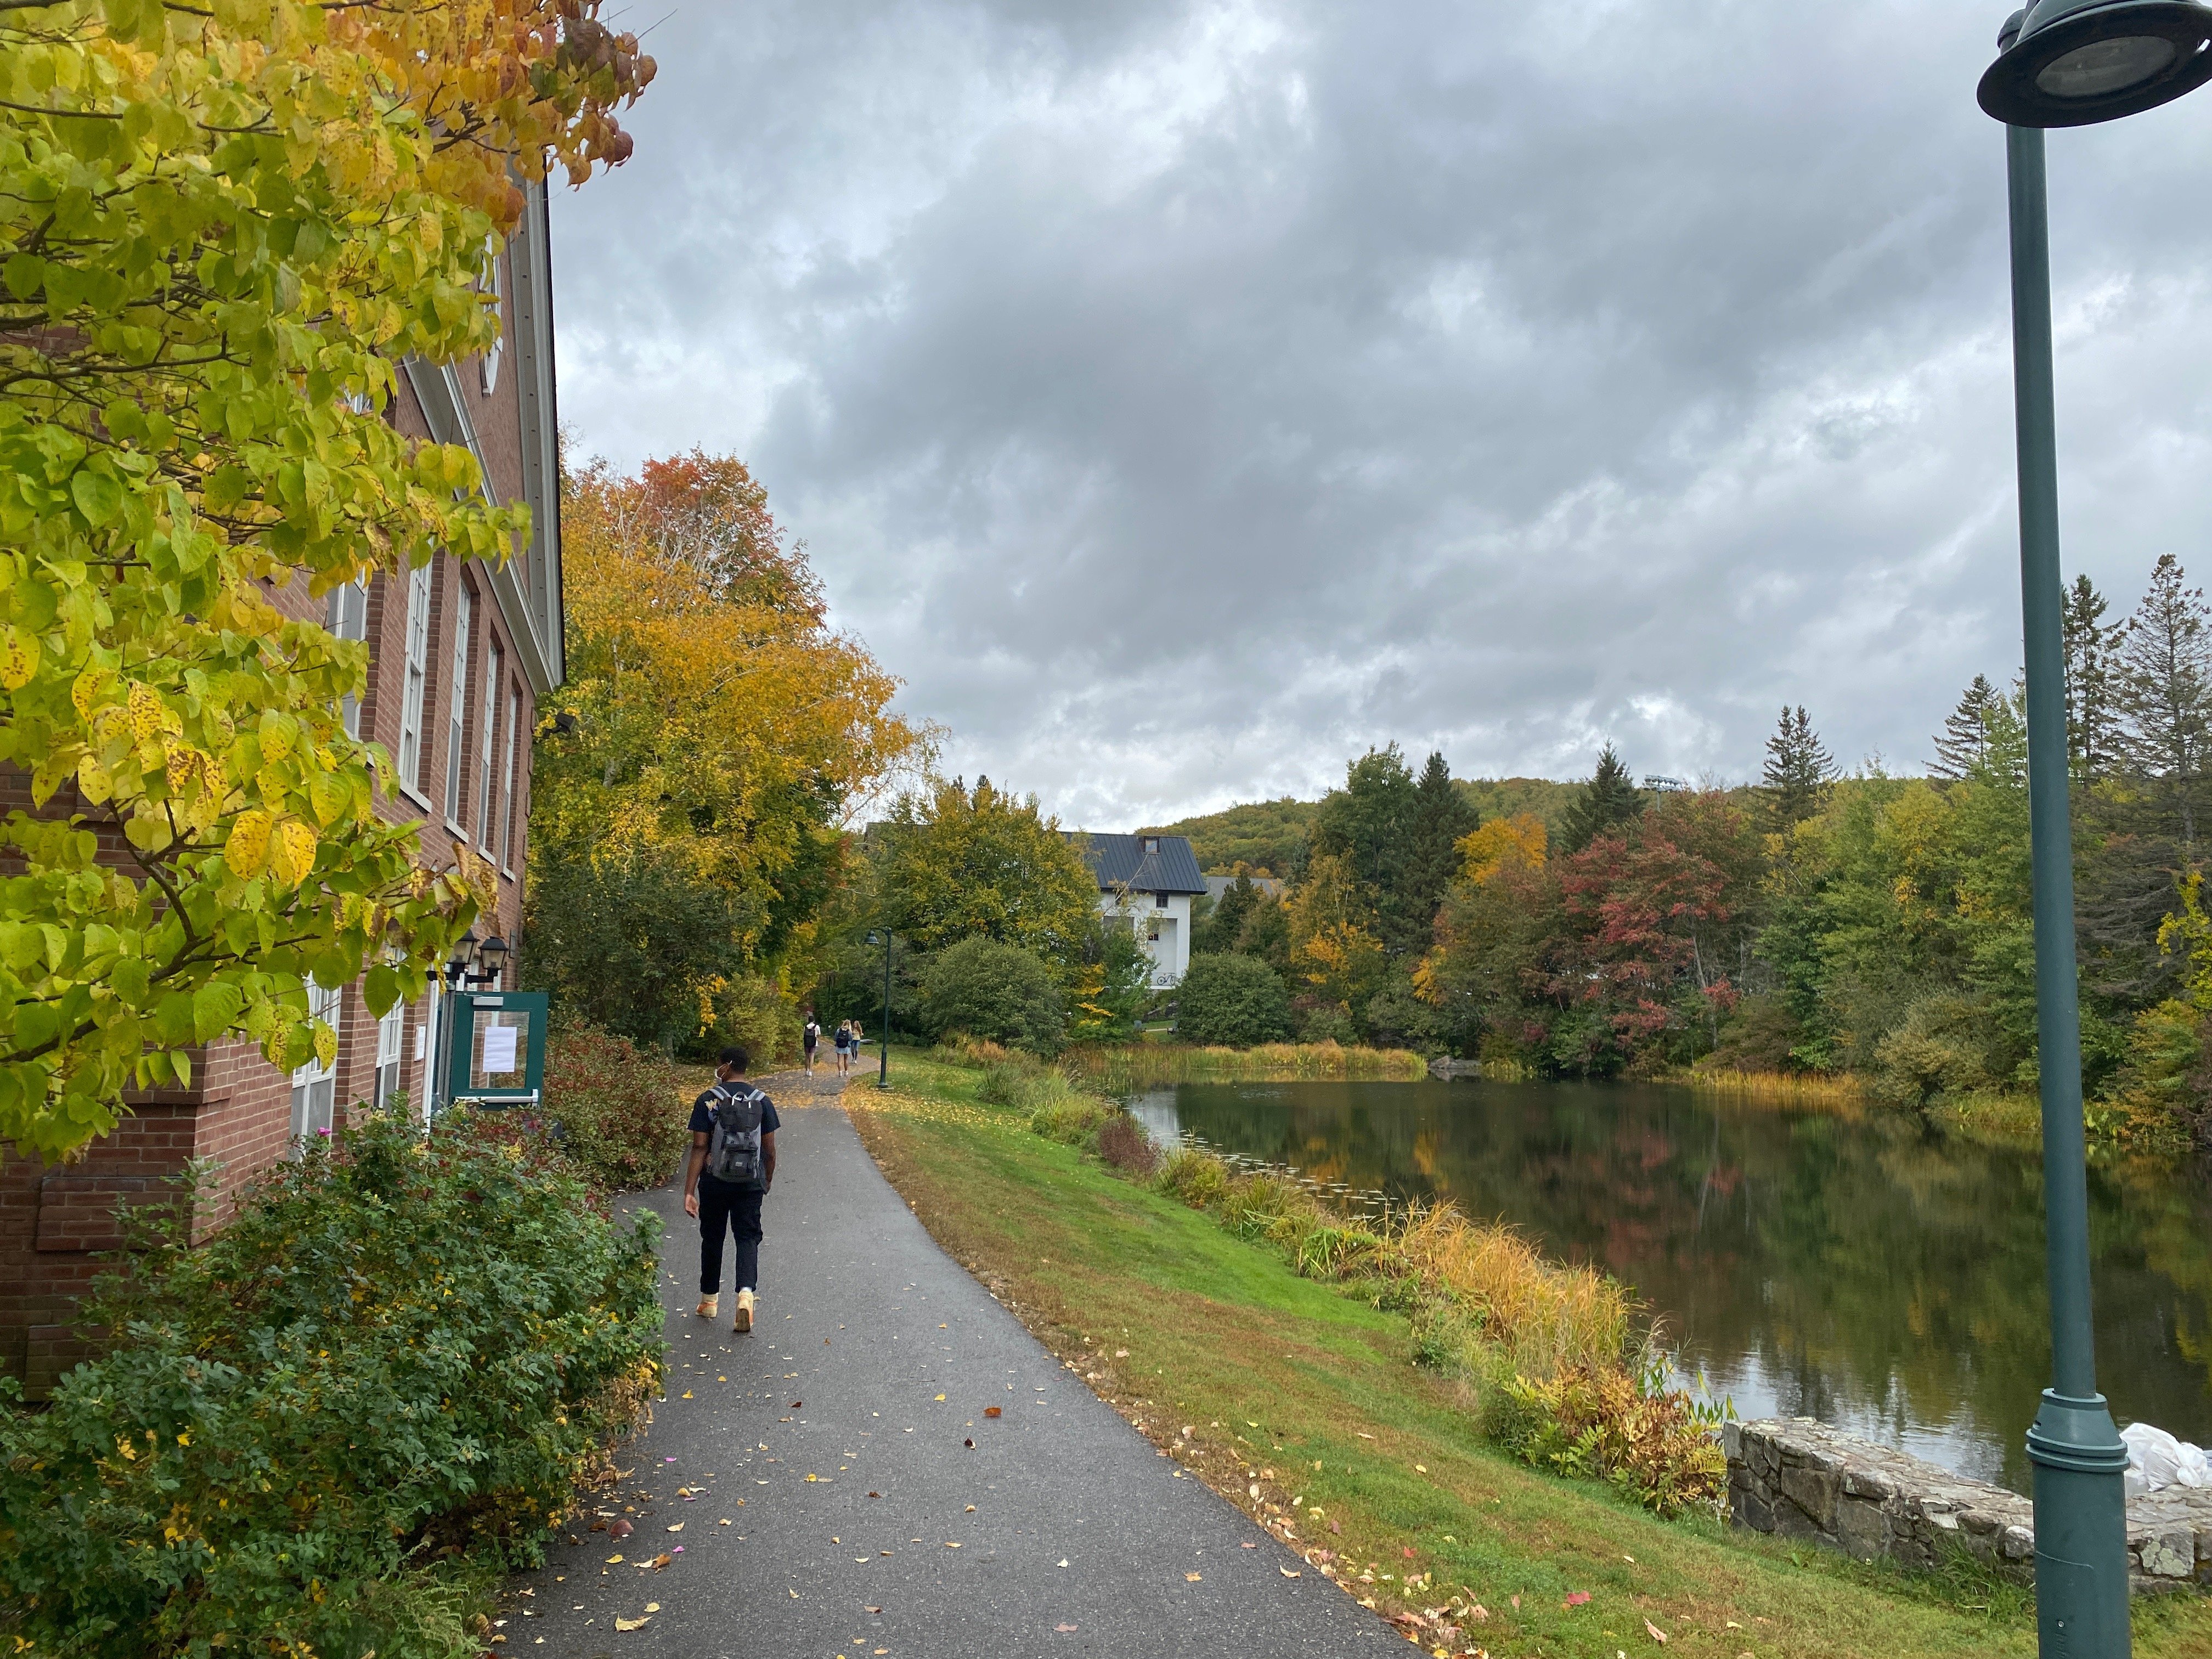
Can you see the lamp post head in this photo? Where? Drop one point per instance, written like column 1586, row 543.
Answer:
column 2075, row 63
column 872, row 939
column 492, row 955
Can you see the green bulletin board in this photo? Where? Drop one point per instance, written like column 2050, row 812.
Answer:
column 496, row 1054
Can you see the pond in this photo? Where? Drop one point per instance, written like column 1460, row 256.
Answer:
column 1851, row 1266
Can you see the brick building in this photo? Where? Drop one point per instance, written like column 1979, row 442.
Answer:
column 459, row 657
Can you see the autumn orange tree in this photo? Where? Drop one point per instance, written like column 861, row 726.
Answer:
column 221, row 228
column 688, row 829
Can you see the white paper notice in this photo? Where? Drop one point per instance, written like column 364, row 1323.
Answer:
column 499, row 1050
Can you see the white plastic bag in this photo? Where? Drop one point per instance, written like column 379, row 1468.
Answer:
column 2156, row 1461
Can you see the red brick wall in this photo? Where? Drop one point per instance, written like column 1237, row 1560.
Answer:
column 237, row 1115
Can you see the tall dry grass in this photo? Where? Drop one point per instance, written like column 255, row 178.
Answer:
column 1118, row 1067
column 1544, row 1315
column 1776, row 1088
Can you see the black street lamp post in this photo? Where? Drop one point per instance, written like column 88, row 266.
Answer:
column 883, row 1038
column 2068, row 63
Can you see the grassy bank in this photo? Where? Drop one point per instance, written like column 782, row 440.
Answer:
column 1290, row 1386
column 1117, row 1068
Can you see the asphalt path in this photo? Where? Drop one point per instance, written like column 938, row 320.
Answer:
column 830, row 1485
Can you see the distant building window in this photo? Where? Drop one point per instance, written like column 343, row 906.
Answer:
column 315, row 1085
column 418, row 675
column 1151, row 844
column 1160, row 900
column 390, row 1030
column 458, row 708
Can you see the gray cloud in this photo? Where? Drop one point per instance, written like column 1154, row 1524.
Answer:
column 1182, row 396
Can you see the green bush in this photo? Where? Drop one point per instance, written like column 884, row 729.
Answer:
column 1235, row 1001
column 997, row 992
column 395, row 1363
column 624, row 1118
column 750, row 1011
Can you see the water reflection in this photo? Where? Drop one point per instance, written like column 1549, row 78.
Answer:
column 1851, row 1268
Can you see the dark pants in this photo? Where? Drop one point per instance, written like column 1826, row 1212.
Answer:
column 732, row 1210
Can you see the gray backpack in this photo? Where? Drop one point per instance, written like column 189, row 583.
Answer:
column 733, row 1155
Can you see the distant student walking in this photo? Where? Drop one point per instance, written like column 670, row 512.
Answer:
column 811, row 1034
column 844, row 1048
column 731, row 1169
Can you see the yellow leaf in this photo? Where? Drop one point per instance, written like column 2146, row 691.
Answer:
column 145, row 712
column 19, row 657
column 248, row 848
column 634, row 1624
column 1191, row 1577
column 292, row 852
column 614, row 1561
column 679, row 1527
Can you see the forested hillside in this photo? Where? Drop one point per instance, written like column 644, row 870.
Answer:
column 1266, row 836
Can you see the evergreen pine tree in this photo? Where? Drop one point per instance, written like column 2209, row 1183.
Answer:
column 1608, row 799
column 2092, row 729
column 1442, row 817
column 2163, row 681
column 1798, row 768
column 1964, row 738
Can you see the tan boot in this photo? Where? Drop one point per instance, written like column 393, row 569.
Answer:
column 708, row 1306
column 744, row 1322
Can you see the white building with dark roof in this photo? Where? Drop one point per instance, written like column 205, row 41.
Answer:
column 1148, row 881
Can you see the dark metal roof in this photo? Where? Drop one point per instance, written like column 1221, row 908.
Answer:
column 1123, row 862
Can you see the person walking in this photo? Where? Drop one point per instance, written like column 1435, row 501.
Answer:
column 731, row 1169
column 844, row 1048
column 812, row 1034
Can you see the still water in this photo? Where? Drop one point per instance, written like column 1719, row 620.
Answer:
column 1850, row 1267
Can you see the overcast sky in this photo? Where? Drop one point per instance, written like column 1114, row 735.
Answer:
column 1181, row 397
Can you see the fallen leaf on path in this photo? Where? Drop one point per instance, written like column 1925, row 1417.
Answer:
column 1657, row 1635
column 724, row 1522
column 614, row 1561
column 940, row 1396
column 1191, row 1577
column 1121, row 1353
column 660, row 1561
column 679, row 1527
column 1250, row 1545
column 1576, row 1598
column 618, row 1529
column 687, row 1393
column 993, row 1411
column 796, row 1404
column 1065, row 1630
column 633, row 1624
column 951, row 1545
column 1288, row 1573
column 970, row 1510
column 875, row 1609
column 970, row 1444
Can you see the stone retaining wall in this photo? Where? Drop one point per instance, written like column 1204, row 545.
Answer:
column 1795, row 1478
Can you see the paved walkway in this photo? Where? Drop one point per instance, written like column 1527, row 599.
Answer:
column 872, row 1506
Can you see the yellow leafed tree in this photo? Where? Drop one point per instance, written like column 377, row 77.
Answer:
column 687, row 831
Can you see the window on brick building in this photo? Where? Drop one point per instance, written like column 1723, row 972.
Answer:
column 487, row 735
column 391, row 1032
column 490, row 370
column 506, row 783
column 348, row 620
column 315, row 1085
column 458, row 708
column 418, row 675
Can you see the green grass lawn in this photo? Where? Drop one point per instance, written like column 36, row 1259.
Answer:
column 1313, row 1393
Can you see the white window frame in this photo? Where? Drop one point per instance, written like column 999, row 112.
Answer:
column 458, row 709
column 506, row 783
column 488, row 374
column 487, row 745
column 348, row 619
column 315, row 1085
column 390, row 1037
column 411, row 746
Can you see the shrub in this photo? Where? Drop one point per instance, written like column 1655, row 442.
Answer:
column 403, row 1350
column 1605, row 1423
column 994, row 990
column 1233, row 1000
column 623, row 1117
column 751, row 1012
column 1123, row 1143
